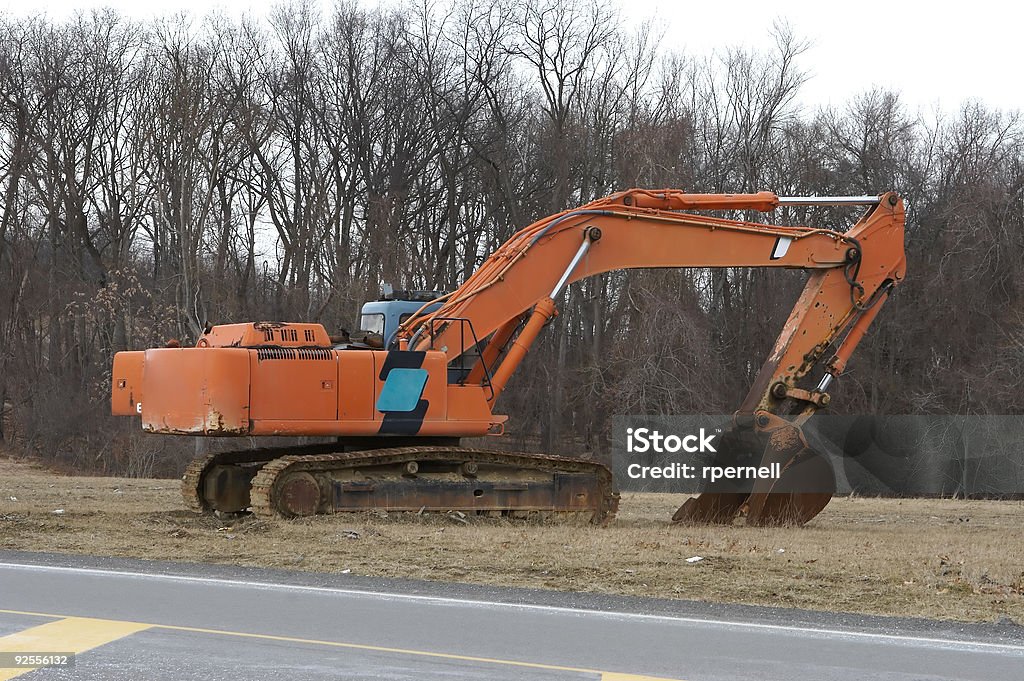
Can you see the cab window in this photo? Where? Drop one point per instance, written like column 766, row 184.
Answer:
column 373, row 323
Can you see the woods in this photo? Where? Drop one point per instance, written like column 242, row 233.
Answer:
column 157, row 176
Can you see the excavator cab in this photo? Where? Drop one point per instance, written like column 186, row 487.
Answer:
column 382, row 317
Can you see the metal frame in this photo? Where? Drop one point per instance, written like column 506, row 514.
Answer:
column 462, row 351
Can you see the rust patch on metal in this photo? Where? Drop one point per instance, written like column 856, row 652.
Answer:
column 785, row 439
column 215, row 425
column 299, row 495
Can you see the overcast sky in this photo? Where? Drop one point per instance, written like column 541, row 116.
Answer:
column 934, row 56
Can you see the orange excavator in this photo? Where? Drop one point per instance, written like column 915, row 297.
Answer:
column 395, row 404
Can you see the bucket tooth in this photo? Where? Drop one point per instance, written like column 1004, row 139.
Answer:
column 710, row 508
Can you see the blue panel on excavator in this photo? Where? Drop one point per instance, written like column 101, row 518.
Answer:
column 402, row 390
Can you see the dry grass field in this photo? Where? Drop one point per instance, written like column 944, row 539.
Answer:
column 945, row 559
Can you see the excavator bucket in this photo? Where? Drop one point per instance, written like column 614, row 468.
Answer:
column 803, row 489
column 721, row 501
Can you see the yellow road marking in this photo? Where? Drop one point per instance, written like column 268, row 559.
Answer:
column 67, row 635
column 605, row 676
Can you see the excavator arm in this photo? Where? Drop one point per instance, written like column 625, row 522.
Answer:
column 508, row 300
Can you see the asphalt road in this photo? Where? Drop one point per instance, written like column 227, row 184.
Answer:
column 143, row 620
